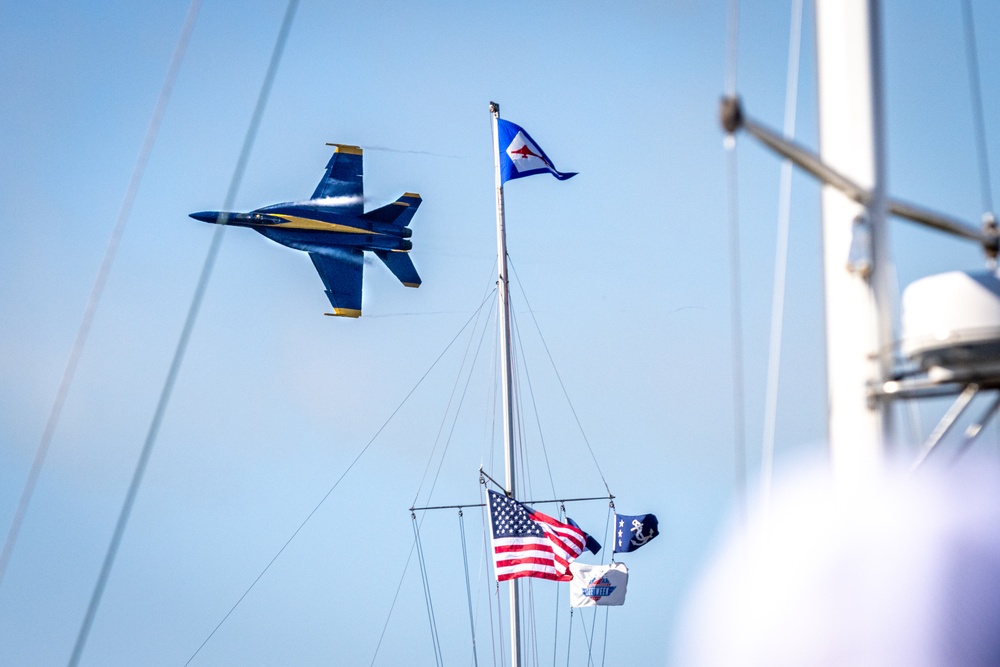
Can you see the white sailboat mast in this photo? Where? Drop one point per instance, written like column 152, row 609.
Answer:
column 858, row 311
column 506, row 376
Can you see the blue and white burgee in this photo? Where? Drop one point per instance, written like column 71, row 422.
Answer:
column 520, row 156
column 632, row 532
column 597, row 585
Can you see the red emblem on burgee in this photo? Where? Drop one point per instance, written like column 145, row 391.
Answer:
column 523, row 153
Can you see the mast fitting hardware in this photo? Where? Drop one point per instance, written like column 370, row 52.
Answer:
column 992, row 233
column 859, row 256
column 731, row 114
column 733, row 118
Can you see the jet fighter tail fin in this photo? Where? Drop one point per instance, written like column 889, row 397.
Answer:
column 401, row 266
column 399, row 212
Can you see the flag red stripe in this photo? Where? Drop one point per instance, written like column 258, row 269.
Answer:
column 537, row 575
column 511, row 562
column 513, row 548
column 544, row 518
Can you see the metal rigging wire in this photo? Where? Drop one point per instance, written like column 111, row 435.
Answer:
column 569, row 638
column 555, row 642
column 608, row 527
column 739, row 420
column 454, row 389
column 392, row 606
column 337, row 483
column 438, row 659
column 781, row 257
column 732, row 42
column 499, row 624
column 468, row 588
column 473, row 318
column 458, row 409
column 593, row 626
column 534, row 407
column 588, row 637
column 490, row 415
column 561, row 384
column 517, row 337
column 189, row 323
column 604, row 648
column 517, row 361
column 972, row 58
column 98, row 290
column 532, row 619
column 484, row 556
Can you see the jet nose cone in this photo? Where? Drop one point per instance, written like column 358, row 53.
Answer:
column 205, row 216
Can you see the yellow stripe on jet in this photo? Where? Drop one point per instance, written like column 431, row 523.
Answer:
column 295, row 222
column 346, row 148
column 344, row 312
column 407, row 195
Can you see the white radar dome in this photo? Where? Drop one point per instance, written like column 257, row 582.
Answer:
column 951, row 323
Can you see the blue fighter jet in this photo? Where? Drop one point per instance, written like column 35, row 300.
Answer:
column 334, row 229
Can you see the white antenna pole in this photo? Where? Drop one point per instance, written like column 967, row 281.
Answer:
column 505, row 361
column 855, row 242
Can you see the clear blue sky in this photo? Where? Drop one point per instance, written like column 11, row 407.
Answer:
column 625, row 267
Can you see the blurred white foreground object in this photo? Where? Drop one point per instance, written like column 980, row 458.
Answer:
column 904, row 572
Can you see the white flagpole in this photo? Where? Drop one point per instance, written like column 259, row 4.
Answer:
column 858, row 304
column 505, row 359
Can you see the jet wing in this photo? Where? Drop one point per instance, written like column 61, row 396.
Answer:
column 341, row 270
column 343, row 181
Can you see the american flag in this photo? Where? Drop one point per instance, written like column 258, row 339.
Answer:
column 527, row 543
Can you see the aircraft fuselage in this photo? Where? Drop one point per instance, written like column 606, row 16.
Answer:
column 308, row 228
